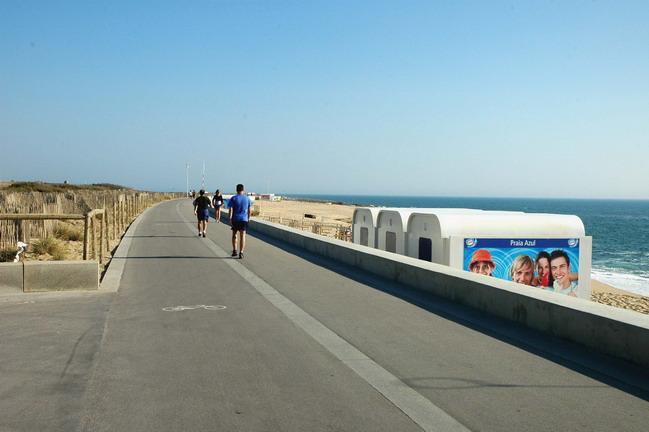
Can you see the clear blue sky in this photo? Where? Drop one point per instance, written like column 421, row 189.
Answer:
column 469, row 98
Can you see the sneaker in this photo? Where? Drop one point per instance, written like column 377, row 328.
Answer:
column 200, row 233
column 240, row 255
column 204, row 235
column 234, row 253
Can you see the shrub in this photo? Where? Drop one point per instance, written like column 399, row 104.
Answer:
column 47, row 245
column 59, row 255
column 7, row 255
column 35, row 186
column 67, row 232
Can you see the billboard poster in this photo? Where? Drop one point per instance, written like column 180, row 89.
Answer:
column 549, row 264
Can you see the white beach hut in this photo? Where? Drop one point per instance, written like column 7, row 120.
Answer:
column 441, row 227
column 505, row 238
column 392, row 226
column 421, row 237
column 364, row 226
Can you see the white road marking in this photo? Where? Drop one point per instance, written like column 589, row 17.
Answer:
column 184, row 308
column 420, row 410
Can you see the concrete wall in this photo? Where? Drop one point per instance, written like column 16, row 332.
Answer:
column 33, row 276
column 11, row 278
column 610, row 330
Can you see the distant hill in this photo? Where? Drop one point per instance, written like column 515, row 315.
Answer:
column 57, row 187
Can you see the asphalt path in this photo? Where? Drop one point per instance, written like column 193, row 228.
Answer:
column 284, row 340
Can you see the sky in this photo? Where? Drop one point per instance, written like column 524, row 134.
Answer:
column 434, row 98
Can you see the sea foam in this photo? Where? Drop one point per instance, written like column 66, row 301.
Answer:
column 624, row 281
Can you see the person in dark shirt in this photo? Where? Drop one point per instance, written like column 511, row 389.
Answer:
column 217, row 202
column 202, row 205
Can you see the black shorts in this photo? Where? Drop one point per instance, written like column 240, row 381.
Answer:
column 239, row 225
column 203, row 215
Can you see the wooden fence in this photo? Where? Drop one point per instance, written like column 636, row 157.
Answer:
column 335, row 230
column 101, row 225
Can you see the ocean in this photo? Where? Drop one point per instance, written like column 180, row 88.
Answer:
column 620, row 228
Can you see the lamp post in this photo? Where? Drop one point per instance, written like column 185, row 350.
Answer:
column 187, row 175
column 203, row 178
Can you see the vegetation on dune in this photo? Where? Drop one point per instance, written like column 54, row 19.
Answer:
column 29, row 186
column 49, row 246
column 7, row 255
column 67, row 232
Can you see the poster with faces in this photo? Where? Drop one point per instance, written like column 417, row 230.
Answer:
column 549, row 264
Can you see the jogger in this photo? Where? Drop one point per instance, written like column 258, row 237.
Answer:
column 239, row 214
column 202, row 205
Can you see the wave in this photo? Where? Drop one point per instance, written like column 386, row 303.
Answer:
column 625, row 281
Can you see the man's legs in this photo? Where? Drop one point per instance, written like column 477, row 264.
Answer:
column 205, row 227
column 242, row 242
column 234, row 243
column 199, row 227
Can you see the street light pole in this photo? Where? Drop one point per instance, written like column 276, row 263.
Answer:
column 203, row 179
column 187, row 175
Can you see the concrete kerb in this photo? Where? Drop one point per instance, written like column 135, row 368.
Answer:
column 613, row 331
column 42, row 276
column 11, row 277
column 60, row 275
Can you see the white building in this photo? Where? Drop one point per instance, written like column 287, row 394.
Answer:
column 422, row 237
column 392, row 226
column 364, row 225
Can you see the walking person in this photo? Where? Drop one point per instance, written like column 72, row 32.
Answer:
column 202, row 205
column 239, row 215
column 217, row 202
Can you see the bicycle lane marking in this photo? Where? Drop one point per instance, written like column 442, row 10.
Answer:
column 419, row 409
column 194, row 307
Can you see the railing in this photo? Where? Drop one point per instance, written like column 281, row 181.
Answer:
column 100, row 225
column 89, row 228
column 339, row 231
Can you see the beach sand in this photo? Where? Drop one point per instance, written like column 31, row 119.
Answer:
column 290, row 209
column 340, row 214
column 606, row 294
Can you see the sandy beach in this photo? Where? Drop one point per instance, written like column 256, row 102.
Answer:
column 290, row 209
column 293, row 212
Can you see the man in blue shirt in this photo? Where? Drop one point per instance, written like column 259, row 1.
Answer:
column 239, row 214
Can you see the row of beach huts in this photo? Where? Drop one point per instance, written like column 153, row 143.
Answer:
column 451, row 236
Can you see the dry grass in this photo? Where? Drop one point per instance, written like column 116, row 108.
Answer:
column 60, row 255
column 121, row 205
column 48, row 245
column 68, row 232
column 7, row 255
column 48, row 248
column 59, row 187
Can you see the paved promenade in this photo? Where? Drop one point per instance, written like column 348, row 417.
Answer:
column 283, row 340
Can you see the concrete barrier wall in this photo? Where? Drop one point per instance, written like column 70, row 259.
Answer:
column 11, row 278
column 34, row 276
column 610, row 330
